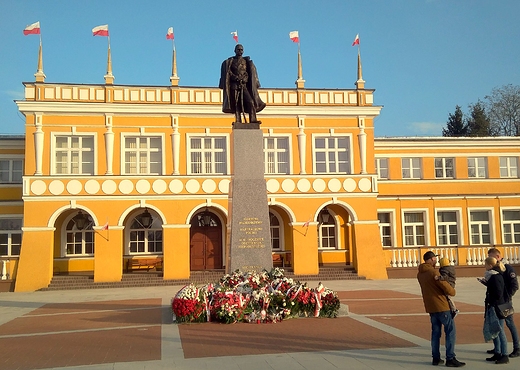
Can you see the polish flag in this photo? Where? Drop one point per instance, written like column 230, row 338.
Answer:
column 293, row 35
column 105, row 226
column 356, row 40
column 100, row 30
column 306, row 224
column 235, row 36
column 32, row 29
column 169, row 34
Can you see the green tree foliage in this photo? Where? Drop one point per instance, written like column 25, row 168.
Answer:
column 455, row 126
column 503, row 109
column 477, row 123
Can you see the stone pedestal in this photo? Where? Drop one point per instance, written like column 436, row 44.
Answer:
column 250, row 238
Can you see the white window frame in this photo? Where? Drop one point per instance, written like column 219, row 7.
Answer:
column 446, row 224
column 473, row 163
column 281, row 237
column 11, row 171
column 415, row 171
column 124, row 150
column 88, row 229
column 440, row 165
column 80, row 150
column 425, row 224
column 320, row 226
column 349, row 150
column 380, row 168
column 509, row 169
column 391, row 225
column 157, row 225
column 10, row 233
column 189, row 151
column 275, row 151
column 491, row 215
column 511, row 224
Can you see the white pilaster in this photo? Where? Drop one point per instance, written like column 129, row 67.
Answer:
column 109, row 144
column 362, row 137
column 38, row 143
column 302, row 143
column 176, row 144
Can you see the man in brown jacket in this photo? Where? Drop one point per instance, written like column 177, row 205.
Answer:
column 434, row 293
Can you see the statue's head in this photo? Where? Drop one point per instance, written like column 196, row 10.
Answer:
column 239, row 50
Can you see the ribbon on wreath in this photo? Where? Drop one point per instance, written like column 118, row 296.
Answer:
column 317, row 295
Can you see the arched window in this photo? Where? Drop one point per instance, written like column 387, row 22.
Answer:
column 145, row 234
column 276, row 241
column 326, row 230
column 79, row 236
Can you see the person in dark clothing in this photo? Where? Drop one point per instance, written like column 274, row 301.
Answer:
column 447, row 273
column 496, row 294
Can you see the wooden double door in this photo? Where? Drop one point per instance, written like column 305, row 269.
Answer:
column 205, row 243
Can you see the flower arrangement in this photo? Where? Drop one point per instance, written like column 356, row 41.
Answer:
column 253, row 297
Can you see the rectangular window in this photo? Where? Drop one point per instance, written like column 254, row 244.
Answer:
column 276, row 155
column 207, row 155
column 382, row 168
column 411, row 168
column 74, row 155
column 508, row 167
column 414, row 227
column 447, row 229
column 444, row 168
column 331, row 154
column 511, row 226
column 143, row 155
column 385, row 228
column 477, row 167
column 11, row 171
column 10, row 236
column 480, row 227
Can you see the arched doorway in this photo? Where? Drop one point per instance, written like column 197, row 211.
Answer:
column 205, row 242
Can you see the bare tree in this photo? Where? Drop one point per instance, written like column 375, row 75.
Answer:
column 503, row 110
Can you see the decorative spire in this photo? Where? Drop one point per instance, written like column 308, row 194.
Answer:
column 174, row 79
column 300, row 82
column 360, row 84
column 109, row 77
column 40, row 76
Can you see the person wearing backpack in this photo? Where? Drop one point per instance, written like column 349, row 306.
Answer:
column 511, row 285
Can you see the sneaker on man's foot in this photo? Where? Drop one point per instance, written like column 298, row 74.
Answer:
column 437, row 361
column 490, row 351
column 495, row 357
column 503, row 360
column 515, row 353
column 454, row 363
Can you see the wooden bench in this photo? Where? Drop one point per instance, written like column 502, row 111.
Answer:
column 281, row 259
column 143, row 264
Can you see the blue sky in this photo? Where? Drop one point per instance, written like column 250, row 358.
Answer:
column 423, row 57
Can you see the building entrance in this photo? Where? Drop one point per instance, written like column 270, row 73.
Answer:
column 205, row 242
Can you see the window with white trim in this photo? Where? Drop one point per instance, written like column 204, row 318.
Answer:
column 414, row 229
column 11, row 171
column 382, row 168
column 385, row 228
column 511, row 226
column 275, row 227
column 79, row 242
column 477, row 167
column 207, row 155
column 10, row 236
column 331, row 154
column 142, row 155
column 411, row 168
column 444, row 168
column 145, row 240
column 447, row 228
column 480, row 227
column 508, row 166
column 74, row 155
column 326, row 230
column 276, row 155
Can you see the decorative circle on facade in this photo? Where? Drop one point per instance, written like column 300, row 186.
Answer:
column 126, row 186
column 319, row 185
column 142, row 186
column 159, row 186
column 273, row 185
column 92, row 186
column 209, row 186
column 349, row 185
column 334, row 185
column 365, row 184
column 38, row 187
column 304, row 185
column 192, row 186
column 74, row 187
column 288, row 185
column 176, row 186
column 223, row 186
column 56, row 187
column 109, row 187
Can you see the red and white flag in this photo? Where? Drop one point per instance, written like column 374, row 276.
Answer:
column 235, row 36
column 100, row 30
column 169, row 34
column 356, row 40
column 32, row 29
column 105, row 226
column 294, row 36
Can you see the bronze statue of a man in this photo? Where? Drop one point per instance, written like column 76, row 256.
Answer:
column 239, row 82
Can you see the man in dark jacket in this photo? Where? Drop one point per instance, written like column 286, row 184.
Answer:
column 434, row 294
column 511, row 283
